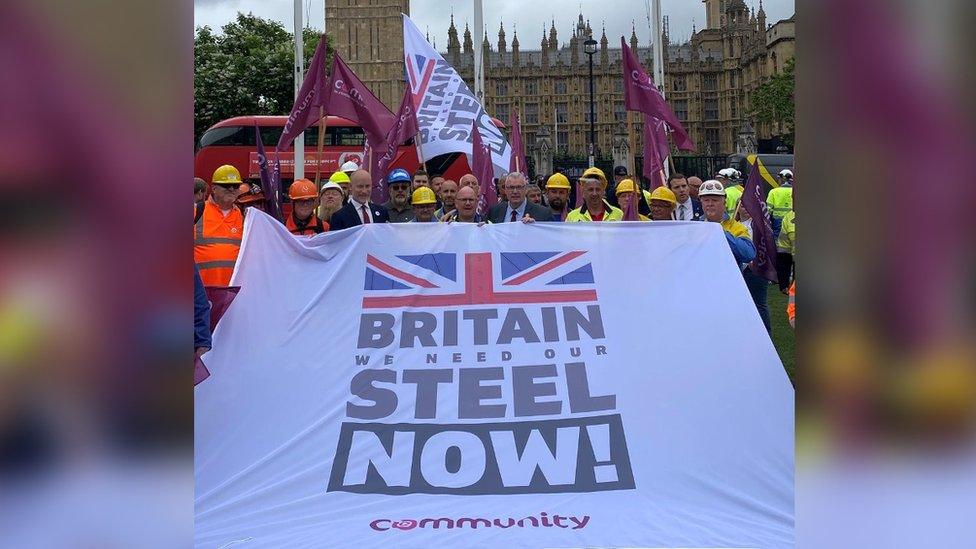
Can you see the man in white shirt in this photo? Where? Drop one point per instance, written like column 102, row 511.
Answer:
column 687, row 209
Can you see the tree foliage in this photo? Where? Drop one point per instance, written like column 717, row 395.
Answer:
column 246, row 70
column 772, row 102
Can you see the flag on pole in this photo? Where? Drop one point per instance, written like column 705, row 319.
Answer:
column 445, row 105
column 656, row 149
column 640, row 94
column 481, row 167
column 762, row 229
column 270, row 182
column 340, row 93
column 518, row 150
column 403, row 128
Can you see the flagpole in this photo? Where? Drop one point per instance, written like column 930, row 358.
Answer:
column 632, row 157
column 479, row 31
column 323, row 125
column 657, row 43
column 299, row 170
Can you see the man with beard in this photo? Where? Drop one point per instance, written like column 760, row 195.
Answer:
column 449, row 189
column 557, row 193
column 399, row 204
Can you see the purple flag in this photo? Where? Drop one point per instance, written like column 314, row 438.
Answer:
column 340, row 93
column 640, row 94
column 762, row 230
column 517, row 163
column 483, row 169
column 656, row 150
column 403, row 128
column 200, row 371
column 270, row 183
column 220, row 298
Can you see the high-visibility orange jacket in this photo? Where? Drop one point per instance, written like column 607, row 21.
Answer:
column 791, row 305
column 216, row 241
column 313, row 226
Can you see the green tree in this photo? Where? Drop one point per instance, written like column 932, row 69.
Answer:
column 772, row 102
column 245, row 70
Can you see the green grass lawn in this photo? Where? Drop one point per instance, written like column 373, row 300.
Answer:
column 782, row 332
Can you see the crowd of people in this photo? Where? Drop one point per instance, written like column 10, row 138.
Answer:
column 345, row 201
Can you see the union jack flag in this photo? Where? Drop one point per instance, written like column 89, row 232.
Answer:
column 419, row 70
column 450, row 279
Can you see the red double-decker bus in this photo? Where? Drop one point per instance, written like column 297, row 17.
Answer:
column 233, row 142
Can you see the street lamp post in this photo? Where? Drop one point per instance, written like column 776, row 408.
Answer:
column 589, row 48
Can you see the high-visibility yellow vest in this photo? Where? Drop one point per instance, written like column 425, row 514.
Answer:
column 780, row 201
column 732, row 196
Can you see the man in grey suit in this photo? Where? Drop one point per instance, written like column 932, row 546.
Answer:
column 517, row 208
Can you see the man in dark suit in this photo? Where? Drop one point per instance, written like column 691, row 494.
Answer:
column 517, row 208
column 358, row 210
column 687, row 208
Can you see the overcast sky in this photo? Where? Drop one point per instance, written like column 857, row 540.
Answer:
column 529, row 17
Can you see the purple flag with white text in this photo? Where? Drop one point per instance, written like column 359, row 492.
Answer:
column 404, row 128
column 656, row 149
column 482, row 168
column 340, row 93
column 270, row 183
column 640, row 94
column 762, row 229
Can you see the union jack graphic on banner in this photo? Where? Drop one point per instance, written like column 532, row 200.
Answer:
column 450, row 279
column 419, row 69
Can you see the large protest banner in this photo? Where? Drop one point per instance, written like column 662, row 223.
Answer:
column 511, row 385
column 446, row 106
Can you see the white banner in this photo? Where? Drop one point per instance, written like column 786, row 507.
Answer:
column 510, row 385
column 446, row 107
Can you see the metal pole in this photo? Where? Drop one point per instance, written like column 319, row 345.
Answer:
column 479, row 71
column 592, row 117
column 299, row 171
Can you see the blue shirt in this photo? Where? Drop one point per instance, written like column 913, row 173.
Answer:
column 519, row 212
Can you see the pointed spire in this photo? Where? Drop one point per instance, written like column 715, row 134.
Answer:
column 515, row 42
column 468, row 43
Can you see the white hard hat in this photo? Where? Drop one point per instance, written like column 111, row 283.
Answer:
column 711, row 187
column 331, row 185
column 726, row 172
column 349, row 166
column 786, row 173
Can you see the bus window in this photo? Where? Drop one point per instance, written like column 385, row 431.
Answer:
column 344, row 136
column 228, row 135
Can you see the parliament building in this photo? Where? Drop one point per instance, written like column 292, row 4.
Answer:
column 708, row 79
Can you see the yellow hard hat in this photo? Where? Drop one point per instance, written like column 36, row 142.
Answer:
column 557, row 181
column 423, row 195
column 595, row 172
column 665, row 194
column 626, row 186
column 339, row 177
column 226, row 175
column 303, row 189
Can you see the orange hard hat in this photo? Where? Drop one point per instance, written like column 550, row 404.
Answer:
column 303, row 189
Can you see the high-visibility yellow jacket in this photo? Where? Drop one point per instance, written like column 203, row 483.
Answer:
column 609, row 214
column 786, row 243
column 780, row 201
column 732, row 196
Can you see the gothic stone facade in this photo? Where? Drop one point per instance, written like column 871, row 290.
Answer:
column 708, row 80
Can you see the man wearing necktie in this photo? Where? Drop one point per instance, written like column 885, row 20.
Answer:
column 517, row 208
column 359, row 210
column 688, row 208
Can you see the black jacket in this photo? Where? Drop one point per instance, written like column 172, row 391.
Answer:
column 348, row 216
column 540, row 213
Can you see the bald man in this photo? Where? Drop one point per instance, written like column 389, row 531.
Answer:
column 469, row 180
column 467, row 207
column 448, row 192
column 694, row 182
column 359, row 210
